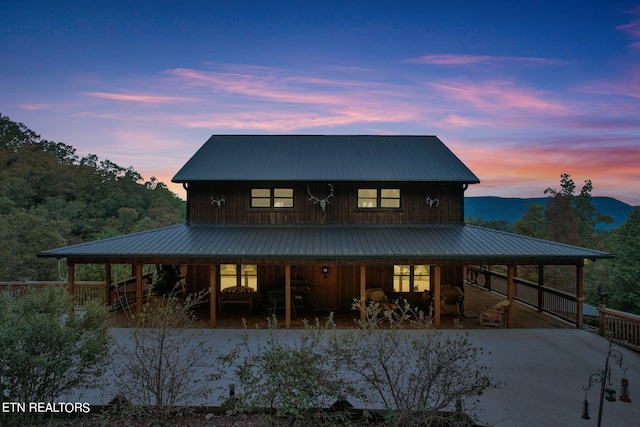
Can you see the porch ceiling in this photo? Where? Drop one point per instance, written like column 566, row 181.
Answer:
column 425, row 242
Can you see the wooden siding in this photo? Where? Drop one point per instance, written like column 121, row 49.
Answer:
column 341, row 209
column 337, row 291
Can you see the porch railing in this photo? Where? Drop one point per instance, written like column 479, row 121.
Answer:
column 84, row 290
column 121, row 293
column 553, row 301
column 620, row 327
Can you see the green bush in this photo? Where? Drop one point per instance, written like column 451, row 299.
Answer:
column 288, row 376
column 47, row 349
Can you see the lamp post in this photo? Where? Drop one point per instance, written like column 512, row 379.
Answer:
column 604, row 378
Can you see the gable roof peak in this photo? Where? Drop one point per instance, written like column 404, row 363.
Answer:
column 324, row 158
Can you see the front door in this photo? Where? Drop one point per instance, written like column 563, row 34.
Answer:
column 325, row 289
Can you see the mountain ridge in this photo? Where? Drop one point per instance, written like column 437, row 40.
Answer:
column 510, row 209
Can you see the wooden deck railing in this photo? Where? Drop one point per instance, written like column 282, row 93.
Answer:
column 620, row 327
column 84, row 290
column 550, row 300
column 121, row 293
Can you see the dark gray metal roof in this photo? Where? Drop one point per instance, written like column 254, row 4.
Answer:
column 433, row 241
column 324, row 157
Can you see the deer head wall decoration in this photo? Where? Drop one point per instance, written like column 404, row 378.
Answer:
column 218, row 202
column 323, row 202
column 433, row 202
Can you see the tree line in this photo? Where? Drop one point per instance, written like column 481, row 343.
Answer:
column 570, row 217
column 51, row 197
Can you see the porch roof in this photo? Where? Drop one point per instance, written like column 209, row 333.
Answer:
column 436, row 242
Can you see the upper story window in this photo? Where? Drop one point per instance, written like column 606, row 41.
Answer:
column 411, row 278
column 379, row 198
column 277, row 198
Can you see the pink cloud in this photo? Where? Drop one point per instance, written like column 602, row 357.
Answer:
column 525, row 169
column 457, row 60
column 148, row 99
column 35, row 107
column 633, row 28
column 498, row 95
column 627, row 85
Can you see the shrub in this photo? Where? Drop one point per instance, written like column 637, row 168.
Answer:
column 412, row 370
column 289, row 375
column 46, row 349
column 161, row 363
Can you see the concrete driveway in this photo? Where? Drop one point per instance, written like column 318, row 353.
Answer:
column 543, row 372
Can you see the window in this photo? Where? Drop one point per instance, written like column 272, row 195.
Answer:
column 411, row 278
column 390, row 198
column 383, row 198
column 283, row 197
column 238, row 275
column 277, row 198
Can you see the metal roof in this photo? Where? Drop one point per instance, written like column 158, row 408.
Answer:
column 432, row 241
column 324, row 157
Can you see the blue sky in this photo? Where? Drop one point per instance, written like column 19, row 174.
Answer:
column 521, row 91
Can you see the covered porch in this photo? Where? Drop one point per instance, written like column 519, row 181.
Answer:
column 339, row 261
column 477, row 297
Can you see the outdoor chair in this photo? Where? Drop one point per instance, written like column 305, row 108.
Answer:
column 378, row 295
column 451, row 300
column 236, row 295
column 495, row 316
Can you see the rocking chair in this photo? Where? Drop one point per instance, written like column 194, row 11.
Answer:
column 495, row 316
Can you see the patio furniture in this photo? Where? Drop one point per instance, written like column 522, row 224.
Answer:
column 237, row 295
column 378, row 295
column 495, row 316
column 277, row 300
column 451, row 300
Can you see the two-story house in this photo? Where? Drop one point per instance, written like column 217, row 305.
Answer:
column 340, row 213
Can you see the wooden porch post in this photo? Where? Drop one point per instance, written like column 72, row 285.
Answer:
column 579, row 294
column 436, row 296
column 213, row 293
column 107, row 284
column 511, row 291
column 71, row 280
column 363, row 292
column 287, row 296
column 138, row 269
column 540, row 286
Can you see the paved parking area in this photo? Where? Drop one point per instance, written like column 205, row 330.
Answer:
column 543, row 372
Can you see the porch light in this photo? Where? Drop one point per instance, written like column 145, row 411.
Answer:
column 325, row 270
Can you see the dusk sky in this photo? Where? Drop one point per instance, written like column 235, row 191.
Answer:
column 521, row 91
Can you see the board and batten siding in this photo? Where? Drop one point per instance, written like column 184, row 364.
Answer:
column 341, row 209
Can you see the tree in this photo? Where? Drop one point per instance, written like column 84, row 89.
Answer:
column 624, row 292
column 50, row 198
column 532, row 223
column 572, row 219
column 561, row 220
